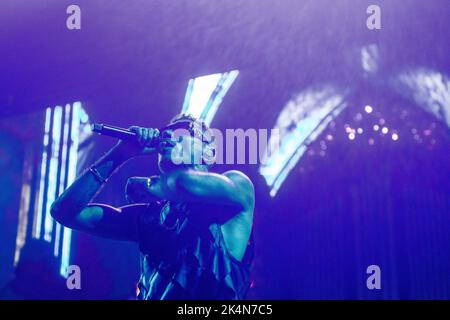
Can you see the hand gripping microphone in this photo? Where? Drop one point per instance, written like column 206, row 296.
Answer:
column 117, row 132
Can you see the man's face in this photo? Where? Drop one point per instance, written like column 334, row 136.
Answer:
column 179, row 149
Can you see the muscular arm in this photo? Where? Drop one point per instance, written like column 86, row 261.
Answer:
column 226, row 194
column 74, row 210
column 227, row 199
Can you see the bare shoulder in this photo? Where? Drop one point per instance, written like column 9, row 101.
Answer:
column 239, row 178
column 237, row 230
column 244, row 186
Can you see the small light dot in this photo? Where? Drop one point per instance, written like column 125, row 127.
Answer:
column 382, row 121
column 351, row 136
column 360, row 130
column 371, row 141
column 385, row 130
column 329, row 137
column 394, row 136
column 368, row 109
column 376, row 127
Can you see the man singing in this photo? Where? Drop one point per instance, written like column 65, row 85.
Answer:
column 193, row 227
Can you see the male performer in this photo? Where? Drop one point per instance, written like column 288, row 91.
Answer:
column 195, row 236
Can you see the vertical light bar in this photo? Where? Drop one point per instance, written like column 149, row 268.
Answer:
column 53, row 172
column 63, row 172
column 24, row 203
column 201, row 93
column 71, row 175
column 40, row 203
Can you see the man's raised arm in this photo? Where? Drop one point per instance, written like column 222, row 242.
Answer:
column 74, row 210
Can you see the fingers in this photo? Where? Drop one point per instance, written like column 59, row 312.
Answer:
column 145, row 136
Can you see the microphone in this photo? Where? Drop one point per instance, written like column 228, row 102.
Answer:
column 115, row 132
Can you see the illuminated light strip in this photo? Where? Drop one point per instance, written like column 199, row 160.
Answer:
column 317, row 109
column 301, row 150
column 204, row 94
column 24, row 205
column 429, row 89
column 40, row 203
column 228, row 79
column 71, row 175
column 53, row 172
column 63, row 172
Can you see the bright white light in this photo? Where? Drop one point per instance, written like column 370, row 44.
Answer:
column 204, row 94
column 40, row 203
column 202, row 90
column 376, row 127
column 394, row 136
column 369, row 58
column 53, row 172
column 300, row 122
column 368, row 109
column 351, row 136
column 430, row 90
column 385, row 130
column 360, row 130
column 71, row 175
column 62, row 179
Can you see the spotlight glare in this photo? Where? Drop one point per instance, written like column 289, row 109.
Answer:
column 204, row 94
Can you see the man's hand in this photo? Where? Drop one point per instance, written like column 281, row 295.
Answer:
column 147, row 143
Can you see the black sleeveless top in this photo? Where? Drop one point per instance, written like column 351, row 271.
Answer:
column 181, row 258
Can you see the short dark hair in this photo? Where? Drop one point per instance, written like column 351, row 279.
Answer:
column 182, row 117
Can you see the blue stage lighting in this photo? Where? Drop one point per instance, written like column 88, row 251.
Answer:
column 204, row 94
column 299, row 124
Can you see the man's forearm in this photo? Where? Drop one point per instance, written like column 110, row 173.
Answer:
column 78, row 195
